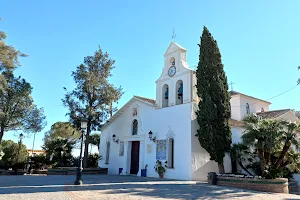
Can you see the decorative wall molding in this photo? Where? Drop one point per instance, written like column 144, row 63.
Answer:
column 170, row 133
column 108, row 138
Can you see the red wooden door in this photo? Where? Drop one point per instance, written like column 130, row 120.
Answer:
column 135, row 157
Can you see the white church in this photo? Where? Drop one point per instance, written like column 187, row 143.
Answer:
column 146, row 130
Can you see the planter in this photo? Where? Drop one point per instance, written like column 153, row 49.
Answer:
column 73, row 171
column 161, row 175
column 12, row 172
column 279, row 185
column 143, row 172
column 212, row 178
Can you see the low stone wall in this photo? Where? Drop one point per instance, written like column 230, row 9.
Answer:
column 73, row 171
column 37, row 171
column 279, row 185
column 12, row 172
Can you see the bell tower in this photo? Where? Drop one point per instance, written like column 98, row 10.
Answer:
column 174, row 86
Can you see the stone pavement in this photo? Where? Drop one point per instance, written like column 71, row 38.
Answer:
column 103, row 187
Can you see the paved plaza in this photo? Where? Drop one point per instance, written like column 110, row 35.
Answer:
column 121, row 188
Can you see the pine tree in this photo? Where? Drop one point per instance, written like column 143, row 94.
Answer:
column 18, row 111
column 94, row 95
column 213, row 113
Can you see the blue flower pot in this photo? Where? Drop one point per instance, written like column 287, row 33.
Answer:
column 143, row 172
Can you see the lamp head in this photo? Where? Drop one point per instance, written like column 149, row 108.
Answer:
column 150, row 134
column 83, row 124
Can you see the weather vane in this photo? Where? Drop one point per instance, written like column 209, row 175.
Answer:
column 174, row 35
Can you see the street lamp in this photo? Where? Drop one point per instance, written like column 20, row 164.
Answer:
column 21, row 136
column 151, row 136
column 78, row 181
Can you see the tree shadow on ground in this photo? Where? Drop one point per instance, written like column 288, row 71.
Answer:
column 122, row 185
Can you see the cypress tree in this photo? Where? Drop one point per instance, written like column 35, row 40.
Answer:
column 213, row 113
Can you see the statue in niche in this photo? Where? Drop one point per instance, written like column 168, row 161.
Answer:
column 134, row 112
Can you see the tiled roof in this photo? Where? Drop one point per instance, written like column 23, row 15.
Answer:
column 297, row 114
column 236, row 123
column 36, row 151
column 152, row 101
column 121, row 110
column 273, row 113
column 238, row 93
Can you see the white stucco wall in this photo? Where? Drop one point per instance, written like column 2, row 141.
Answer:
column 235, row 107
column 166, row 122
column 237, row 134
column 254, row 104
column 201, row 163
column 122, row 128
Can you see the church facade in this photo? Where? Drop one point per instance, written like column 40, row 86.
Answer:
column 145, row 130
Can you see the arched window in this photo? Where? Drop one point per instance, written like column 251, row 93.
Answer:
column 134, row 127
column 179, row 92
column 171, row 153
column 247, row 108
column 165, row 96
column 107, row 152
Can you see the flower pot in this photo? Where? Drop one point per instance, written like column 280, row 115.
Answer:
column 161, row 175
column 143, row 172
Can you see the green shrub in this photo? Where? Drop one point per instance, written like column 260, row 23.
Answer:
column 93, row 160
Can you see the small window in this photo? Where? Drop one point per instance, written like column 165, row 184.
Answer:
column 107, row 152
column 171, row 153
column 247, row 108
column 134, row 127
column 262, row 109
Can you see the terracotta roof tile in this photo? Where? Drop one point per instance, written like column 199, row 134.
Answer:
column 273, row 113
column 152, row 101
column 297, row 114
column 36, row 151
column 236, row 123
column 238, row 93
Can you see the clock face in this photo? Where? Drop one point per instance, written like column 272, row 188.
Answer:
column 172, row 71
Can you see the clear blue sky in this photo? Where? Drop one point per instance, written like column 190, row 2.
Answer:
column 259, row 42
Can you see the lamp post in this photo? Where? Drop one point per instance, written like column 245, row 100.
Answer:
column 21, row 136
column 78, row 180
column 31, row 156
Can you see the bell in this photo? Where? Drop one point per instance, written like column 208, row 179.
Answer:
column 180, row 90
column 167, row 94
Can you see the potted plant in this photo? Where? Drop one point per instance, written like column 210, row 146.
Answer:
column 159, row 169
column 144, row 171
